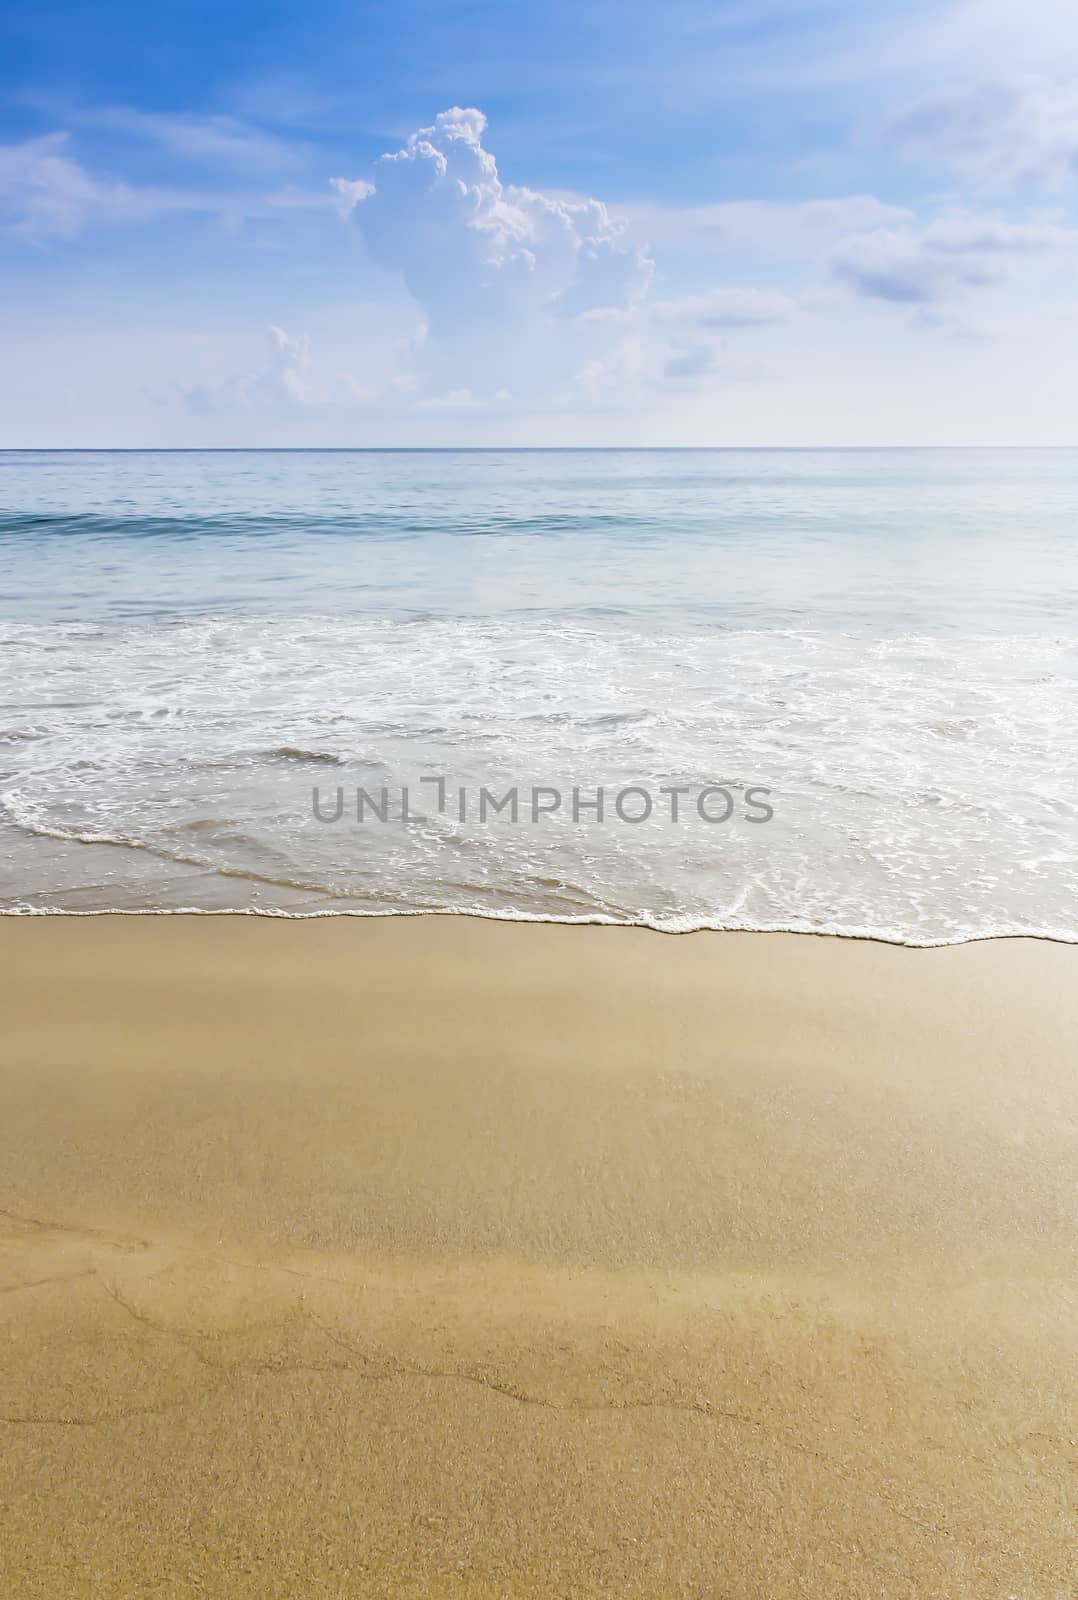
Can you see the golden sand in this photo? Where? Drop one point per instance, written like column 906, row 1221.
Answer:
column 445, row 1258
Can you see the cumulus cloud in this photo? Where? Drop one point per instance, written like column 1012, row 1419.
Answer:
column 1023, row 132
column 465, row 242
column 500, row 270
column 282, row 385
column 541, row 295
column 350, row 191
column 919, row 266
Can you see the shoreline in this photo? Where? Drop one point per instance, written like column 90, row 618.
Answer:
column 895, row 941
column 455, row 1260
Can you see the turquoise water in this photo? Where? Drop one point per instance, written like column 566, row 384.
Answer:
column 885, row 642
column 742, row 538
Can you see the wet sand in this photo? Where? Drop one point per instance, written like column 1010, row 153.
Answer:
column 437, row 1257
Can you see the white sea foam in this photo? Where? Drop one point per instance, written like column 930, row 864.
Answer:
column 672, row 928
column 924, row 784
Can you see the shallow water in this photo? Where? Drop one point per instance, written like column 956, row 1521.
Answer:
column 886, row 642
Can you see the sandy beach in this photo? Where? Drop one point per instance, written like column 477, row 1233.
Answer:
column 440, row 1257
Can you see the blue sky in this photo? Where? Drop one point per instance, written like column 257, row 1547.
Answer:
column 737, row 223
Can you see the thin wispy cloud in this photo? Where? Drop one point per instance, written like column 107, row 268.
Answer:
column 208, row 140
column 912, row 266
column 765, row 225
column 45, row 193
column 999, row 134
column 48, row 194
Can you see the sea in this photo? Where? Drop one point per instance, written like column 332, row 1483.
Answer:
column 826, row 691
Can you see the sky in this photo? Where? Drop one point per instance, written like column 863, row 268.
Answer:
column 749, row 222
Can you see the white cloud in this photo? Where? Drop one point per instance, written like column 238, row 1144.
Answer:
column 725, row 308
column 979, row 40
column 350, row 191
column 684, row 340
column 211, row 139
column 284, row 384
column 545, row 294
column 45, row 193
column 499, row 270
column 468, row 244
column 1024, row 132
column 763, row 225
column 919, row 266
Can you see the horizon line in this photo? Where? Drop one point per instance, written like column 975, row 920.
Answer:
column 504, row 449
